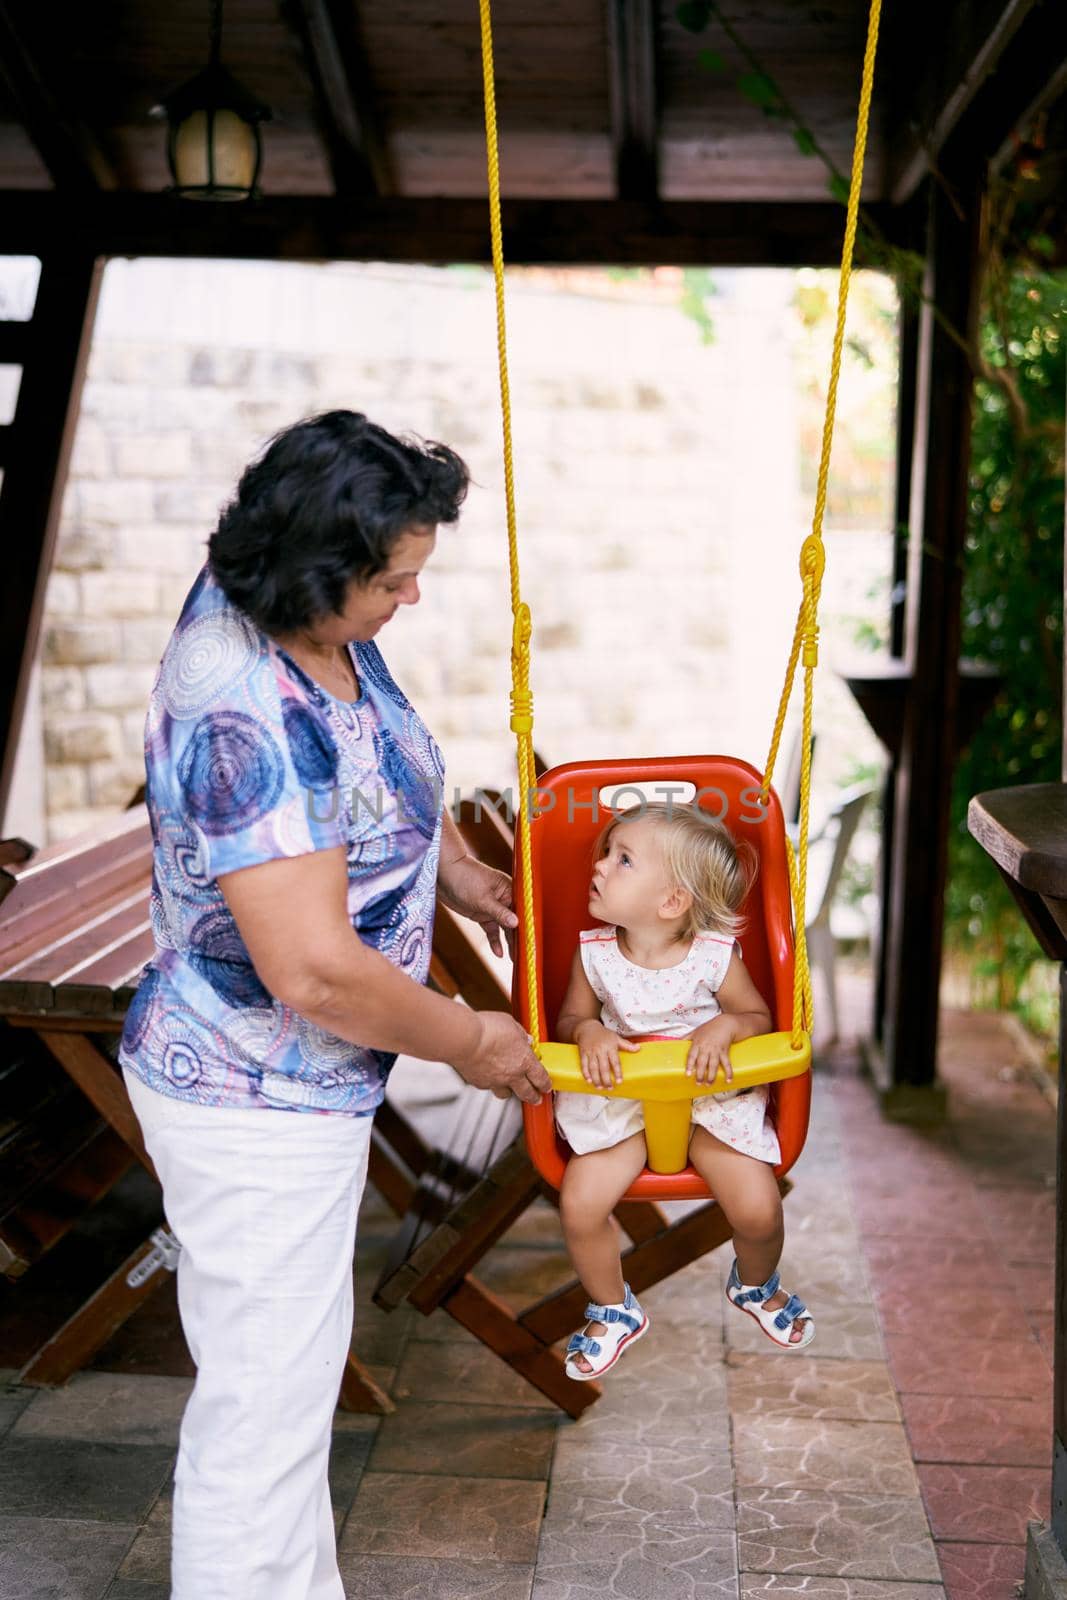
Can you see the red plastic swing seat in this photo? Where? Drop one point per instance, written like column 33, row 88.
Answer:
column 562, row 835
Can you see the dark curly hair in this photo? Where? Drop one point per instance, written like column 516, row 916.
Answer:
column 323, row 504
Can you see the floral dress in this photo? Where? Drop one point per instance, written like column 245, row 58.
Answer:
column 668, row 1002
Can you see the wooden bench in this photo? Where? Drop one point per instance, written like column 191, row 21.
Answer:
column 74, row 936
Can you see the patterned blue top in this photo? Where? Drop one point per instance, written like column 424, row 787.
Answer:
column 249, row 760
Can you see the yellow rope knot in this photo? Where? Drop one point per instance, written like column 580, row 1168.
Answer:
column 813, row 560
column 521, row 695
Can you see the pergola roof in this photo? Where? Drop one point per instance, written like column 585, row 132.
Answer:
column 599, row 100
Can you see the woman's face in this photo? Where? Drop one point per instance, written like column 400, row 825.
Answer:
column 369, row 605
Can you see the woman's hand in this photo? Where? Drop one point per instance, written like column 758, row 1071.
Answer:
column 503, row 1061
column 599, row 1049
column 710, row 1049
column 481, row 893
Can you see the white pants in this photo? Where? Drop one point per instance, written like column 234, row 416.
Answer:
column 263, row 1204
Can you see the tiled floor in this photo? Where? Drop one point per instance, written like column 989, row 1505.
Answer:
column 899, row 1460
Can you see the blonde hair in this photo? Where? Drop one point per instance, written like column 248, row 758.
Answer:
column 702, row 857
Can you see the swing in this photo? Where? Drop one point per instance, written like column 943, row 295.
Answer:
column 559, row 816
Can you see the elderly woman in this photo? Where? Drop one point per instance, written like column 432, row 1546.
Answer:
column 299, row 841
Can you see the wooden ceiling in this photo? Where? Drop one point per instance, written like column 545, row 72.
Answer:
column 599, row 100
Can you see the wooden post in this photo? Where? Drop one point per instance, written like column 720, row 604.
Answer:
column 39, row 441
column 906, row 386
column 928, row 745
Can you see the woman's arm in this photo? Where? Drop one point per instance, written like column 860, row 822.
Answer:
column 293, row 917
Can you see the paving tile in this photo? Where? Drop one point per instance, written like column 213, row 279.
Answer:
column 50, row 1558
column 656, row 1395
column 831, row 1457
column 13, row 1403
column 953, row 1364
column 1033, row 1285
column 148, row 1558
column 662, row 1483
column 395, row 1578
column 76, row 1479
column 466, row 1441
column 443, row 1370
column 907, row 1214
column 839, row 1535
column 439, row 1325
column 982, row 1571
column 525, row 1270
column 984, row 1505
column 785, row 1586
column 349, row 1451
column 468, row 1519
column 1014, row 1433
column 109, row 1408
column 779, row 1385
column 622, row 1557
column 904, row 1306
column 936, row 1260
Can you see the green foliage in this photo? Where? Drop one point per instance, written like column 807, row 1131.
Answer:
column 1012, row 601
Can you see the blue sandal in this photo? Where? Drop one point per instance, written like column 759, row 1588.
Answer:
column 624, row 1322
column 776, row 1321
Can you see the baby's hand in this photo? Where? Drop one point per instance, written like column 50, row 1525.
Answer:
column 599, row 1049
column 710, row 1050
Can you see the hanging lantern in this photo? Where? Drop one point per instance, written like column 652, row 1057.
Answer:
column 214, row 147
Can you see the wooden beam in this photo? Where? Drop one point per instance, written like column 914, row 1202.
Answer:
column 69, row 150
column 938, row 522
column 39, row 441
column 634, row 100
column 344, row 94
column 1002, row 58
column 290, row 228
column 14, row 343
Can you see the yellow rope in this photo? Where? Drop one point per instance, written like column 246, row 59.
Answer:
column 812, row 556
column 521, row 697
column 812, row 561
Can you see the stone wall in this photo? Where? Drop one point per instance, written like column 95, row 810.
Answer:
column 657, row 490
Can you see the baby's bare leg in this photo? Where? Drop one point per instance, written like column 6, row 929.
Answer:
column 592, row 1187
column 747, row 1190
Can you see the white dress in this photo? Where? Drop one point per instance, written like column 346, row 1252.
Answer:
column 671, row 1002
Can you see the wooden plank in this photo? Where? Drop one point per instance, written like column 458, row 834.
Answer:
column 463, row 964
column 35, row 476
column 632, row 26
column 15, row 340
column 89, row 1329
column 928, row 746
column 48, row 1210
column 113, row 972
column 471, row 1228
column 361, row 1392
column 495, row 1325
column 101, row 1082
column 999, row 57
column 69, row 150
column 388, row 1177
column 440, row 229
column 64, row 957
column 486, row 833
column 344, row 94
